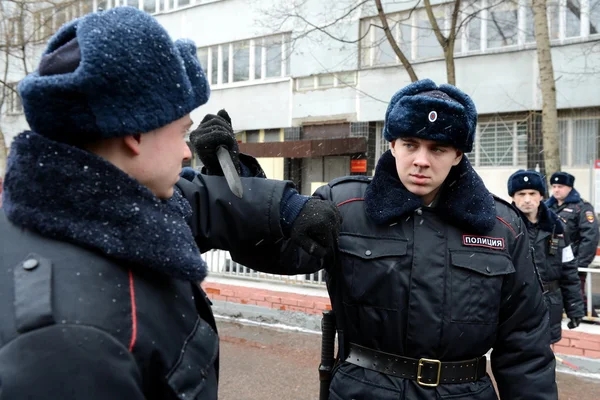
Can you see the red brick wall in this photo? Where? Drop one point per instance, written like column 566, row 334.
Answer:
column 573, row 343
column 578, row 344
column 267, row 298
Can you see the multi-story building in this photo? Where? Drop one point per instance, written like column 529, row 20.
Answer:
column 307, row 84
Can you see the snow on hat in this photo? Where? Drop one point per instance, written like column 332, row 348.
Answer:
column 111, row 74
column 523, row 179
column 424, row 110
column 562, row 178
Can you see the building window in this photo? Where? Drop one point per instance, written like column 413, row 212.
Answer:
column 594, row 17
column 252, row 136
column 484, row 25
column 224, row 69
column 203, row 57
column 381, row 145
column 13, row 100
column 149, row 6
column 326, row 81
column 272, row 135
column 292, row 134
column 241, row 61
column 14, row 31
column 248, row 60
column 42, row 24
column 307, row 83
column 346, row 79
column 376, row 49
column 473, row 30
column 427, row 44
column 578, row 141
column 500, row 143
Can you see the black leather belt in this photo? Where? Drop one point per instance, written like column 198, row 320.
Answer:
column 551, row 286
column 425, row 371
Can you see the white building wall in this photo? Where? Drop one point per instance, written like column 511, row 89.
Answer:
column 503, row 81
column 260, row 106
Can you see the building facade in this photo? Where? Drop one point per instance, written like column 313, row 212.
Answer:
column 307, row 83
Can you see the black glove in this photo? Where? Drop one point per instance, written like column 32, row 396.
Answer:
column 574, row 322
column 215, row 131
column 317, row 227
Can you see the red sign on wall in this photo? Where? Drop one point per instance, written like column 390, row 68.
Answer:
column 358, row 165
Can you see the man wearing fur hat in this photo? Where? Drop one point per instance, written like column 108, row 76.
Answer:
column 553, row 254
column 580, row 220
column 430, row 271
column 100, row 270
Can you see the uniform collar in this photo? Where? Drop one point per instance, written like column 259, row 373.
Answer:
column 69, row 194
column 547, row 221
column 463, row 201
column 573, row 197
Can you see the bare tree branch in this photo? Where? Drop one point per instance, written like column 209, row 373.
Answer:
column 434, row 25
column 386, row 29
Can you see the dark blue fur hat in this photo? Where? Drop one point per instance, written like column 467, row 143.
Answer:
column 110, row 74
column 424, row 110
column 522, row 179
column 562, row 178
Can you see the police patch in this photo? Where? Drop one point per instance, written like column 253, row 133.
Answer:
column 590, row 216
column 483, row 241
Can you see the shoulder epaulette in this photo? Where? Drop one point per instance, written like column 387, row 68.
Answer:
column 501, row 200
column 352, row 178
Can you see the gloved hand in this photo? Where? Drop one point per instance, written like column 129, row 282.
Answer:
column 574, row 322
column 317, row 227
column 215, row 131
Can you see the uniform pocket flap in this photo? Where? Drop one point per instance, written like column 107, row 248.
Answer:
column 371, row 247
column 196, row 362
column 489, row 264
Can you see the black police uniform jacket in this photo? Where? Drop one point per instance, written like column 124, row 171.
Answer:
column 556, row 264
column 581, row 226
column 100, row 295
column 446, row 283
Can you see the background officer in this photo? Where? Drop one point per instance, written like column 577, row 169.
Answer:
column 553, row 254
column 580, row 220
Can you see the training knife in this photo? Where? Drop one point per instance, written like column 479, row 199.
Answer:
column 231, row 175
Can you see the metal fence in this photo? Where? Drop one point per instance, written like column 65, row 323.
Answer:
column 589, row 291
column 220, row 264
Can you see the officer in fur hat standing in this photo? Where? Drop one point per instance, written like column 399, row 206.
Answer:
column 553, row 253
column 100, row 270
column 580, row 220
column 431, row 271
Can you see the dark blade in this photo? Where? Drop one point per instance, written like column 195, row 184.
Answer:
column 231, row 174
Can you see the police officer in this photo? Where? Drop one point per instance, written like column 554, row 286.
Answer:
column 580, row 220
column 431, row 271
column 99, row 268
column 553, row 254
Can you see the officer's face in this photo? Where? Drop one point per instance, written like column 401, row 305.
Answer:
column 423, row 165
column 560, row 192
column 159, row 158
column 527, row 200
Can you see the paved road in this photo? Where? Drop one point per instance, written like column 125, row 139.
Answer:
column 267, row 364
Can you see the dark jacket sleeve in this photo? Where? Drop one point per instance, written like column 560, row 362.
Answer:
column 522, row 360
column 220, row 220
column 588, row 237
column 68, row 362
column 284, row 257
column 570, row 285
